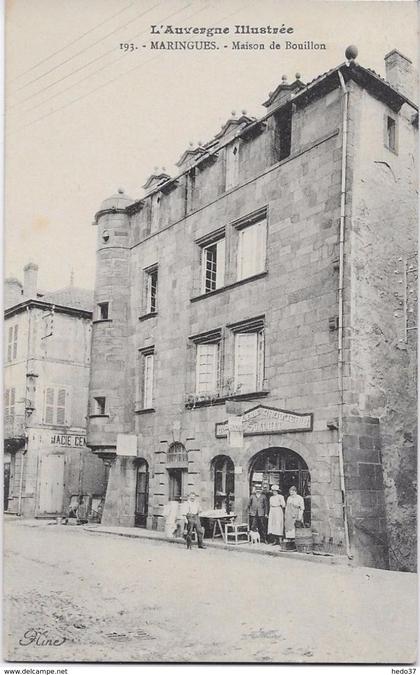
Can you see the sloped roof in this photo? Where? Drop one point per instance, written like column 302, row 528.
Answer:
column 71, row 296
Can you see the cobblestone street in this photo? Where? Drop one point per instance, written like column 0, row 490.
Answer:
column 110, row 598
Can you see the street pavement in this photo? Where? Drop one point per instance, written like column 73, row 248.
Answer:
column 73, row 595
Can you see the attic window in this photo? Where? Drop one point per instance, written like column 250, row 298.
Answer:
column 282, row 134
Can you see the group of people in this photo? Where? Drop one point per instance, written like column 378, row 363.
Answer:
column 282, row 516
column 183, row 518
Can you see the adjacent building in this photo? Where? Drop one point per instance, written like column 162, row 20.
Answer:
column 47, row 357
column 254, row 318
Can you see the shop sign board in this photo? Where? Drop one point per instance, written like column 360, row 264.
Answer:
column 127, row 445
column 265, row 420
column 68, row 440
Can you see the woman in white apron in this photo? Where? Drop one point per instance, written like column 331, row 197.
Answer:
column 275, row 516
column 294, row 511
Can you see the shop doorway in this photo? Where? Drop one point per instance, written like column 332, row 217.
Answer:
column 51, row 485
column 285, row 468
column 142, row 494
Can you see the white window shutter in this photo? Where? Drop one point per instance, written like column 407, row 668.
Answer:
column 220, row 263
column 15, row 341
column 61, row 407
column 246, row 361
column 261, row 245
column 148, row 381
column 207, row 368
column 49, row 405
column 260, row 360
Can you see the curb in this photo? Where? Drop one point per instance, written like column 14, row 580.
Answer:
column 341, row 561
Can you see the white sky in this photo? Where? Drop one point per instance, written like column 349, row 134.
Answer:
column 60, row 168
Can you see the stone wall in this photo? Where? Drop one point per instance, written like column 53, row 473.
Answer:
column 382, row 233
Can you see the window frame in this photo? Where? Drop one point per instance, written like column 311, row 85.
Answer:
column 391, row 146
column 213, row 337
column 55, row 407
column 247, row 266
column 99, row 309
column 255, row 327
column 219, row 265
column 151, row 302
column 146, row 394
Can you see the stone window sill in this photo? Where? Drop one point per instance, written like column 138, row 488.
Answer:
column 254, row 277
column 149, row 315
column 98, row 415
column 143, row 411
column 102, row 321
column 246, row 396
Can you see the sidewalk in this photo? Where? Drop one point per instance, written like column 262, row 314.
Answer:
column 257, row 549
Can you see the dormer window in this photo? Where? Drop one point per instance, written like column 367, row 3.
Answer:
column 282, row 134
column 232, row 165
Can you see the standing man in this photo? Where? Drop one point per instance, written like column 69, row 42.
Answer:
column 192, row 510
column 258, row 509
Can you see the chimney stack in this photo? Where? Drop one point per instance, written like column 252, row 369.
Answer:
column 400, row 74
column 12, row 292
column 30, row 280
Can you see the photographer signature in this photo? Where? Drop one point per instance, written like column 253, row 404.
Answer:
column 40, row 638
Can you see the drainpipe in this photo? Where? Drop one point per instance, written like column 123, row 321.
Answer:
column 341, row 309
column 28, row 314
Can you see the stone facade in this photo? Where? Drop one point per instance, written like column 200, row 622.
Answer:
column 284, row 170
column 46, row 376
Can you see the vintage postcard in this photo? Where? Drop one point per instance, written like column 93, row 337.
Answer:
column 210, row 321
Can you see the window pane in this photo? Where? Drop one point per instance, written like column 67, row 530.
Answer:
column 220, row 266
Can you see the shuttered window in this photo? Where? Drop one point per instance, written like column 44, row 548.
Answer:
column 249, row 361
column 148, row 381
column 9, row 402
column 232, row 165
column 56, row 408
column 252, row 249
column 12, row 342
column 207, row 368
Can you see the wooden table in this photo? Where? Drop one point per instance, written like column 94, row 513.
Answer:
column 220, row 520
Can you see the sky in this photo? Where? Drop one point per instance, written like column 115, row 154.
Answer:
column 84, row 118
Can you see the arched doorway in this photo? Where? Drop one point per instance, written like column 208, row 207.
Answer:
column 223, row 474
column 142, row 493
column 285, row 468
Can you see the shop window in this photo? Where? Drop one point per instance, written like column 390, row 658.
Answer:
column 12, row 343
column 252, row 244
column 232, row 165
column 249, row 356
column 142, row 493
column 103, row 311
column 282, row 134
column 223, row 472
column 213, row 266
column 285, row 468
column 56, row 406
column 391, row 133
column 99, row 407
column 151, row 289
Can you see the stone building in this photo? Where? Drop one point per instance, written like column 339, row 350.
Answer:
column 252, row 317
column 46, row 376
